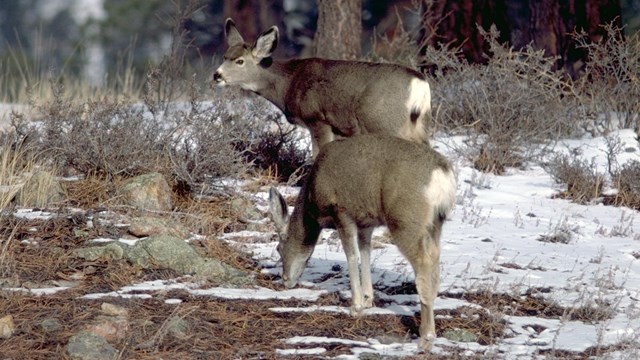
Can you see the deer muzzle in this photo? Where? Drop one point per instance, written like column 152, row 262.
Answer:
column 217, row 77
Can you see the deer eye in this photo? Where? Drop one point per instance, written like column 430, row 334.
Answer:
column 239, row 62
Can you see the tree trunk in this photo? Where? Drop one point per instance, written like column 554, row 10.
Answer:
column 339, row 29
column 547, row 24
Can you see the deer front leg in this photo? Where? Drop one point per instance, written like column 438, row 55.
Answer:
column 349, row 235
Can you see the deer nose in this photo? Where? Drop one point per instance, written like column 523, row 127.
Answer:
column 217, row 77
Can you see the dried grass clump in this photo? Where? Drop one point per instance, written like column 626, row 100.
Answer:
column 627, row 181
column 584, row 181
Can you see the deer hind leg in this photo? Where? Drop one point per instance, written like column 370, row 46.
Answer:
column 423, row 252
column 364, row 244
column 349, row 235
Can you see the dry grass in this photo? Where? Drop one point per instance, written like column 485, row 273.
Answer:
column 92, row 191
column 223, row 329
column 15, row 163
column 219, row 329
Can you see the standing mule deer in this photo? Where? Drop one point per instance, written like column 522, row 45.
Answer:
column 331, row 98
column 360, row 183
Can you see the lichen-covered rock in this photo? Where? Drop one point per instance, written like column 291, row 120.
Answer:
column 168, row 252
column 50, row 325
column 178, row 327
column 149, row 226
column 147, row 192
column 109, row 251
column 88, row 346
column 460, row 335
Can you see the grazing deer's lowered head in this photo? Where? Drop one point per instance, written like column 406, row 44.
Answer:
column 331, row 98
column 360, row 183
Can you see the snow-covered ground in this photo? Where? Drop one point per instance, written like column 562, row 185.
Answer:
column 492, row 242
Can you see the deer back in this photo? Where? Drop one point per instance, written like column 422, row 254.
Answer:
column 345, row 98
column 380, row 180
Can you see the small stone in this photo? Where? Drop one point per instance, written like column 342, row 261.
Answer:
column 114, row 310
column 50, row 325
column 88, row 346
column 150, row 226
column 7, row 327
column 178, row 328
column 110, row 328
column 460, row 335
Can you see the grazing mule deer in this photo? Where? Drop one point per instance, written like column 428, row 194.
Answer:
column 360, row 183
column 331, row 98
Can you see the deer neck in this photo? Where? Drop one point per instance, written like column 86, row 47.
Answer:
column 275, row 83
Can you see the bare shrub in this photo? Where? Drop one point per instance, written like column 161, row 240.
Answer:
column 627, row 180
column 612, row 79
column 401, row 48
column 509, row 108
column 275, row 146
column 103, row 136
column 584, row 181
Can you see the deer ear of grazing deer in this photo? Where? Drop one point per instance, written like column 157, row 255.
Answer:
column 279, row 211
column 331, row 98
column 294, row 253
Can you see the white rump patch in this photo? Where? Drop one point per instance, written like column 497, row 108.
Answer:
column 441, row 191
column 419, row 97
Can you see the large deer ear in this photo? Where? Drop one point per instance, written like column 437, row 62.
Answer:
column 232, row 34
column 266, row 43
column 279, row 210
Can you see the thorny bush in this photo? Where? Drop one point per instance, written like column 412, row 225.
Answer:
column 584, row 181
column 610, row 86
column 508, row 109
column 627, row 181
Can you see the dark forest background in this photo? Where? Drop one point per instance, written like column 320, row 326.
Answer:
column 99, row 40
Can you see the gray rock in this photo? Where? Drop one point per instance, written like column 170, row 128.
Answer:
column 87, row 346
column 178, row 328
column 168, row 252
column 246, row 209
column 460, row 335
column 50, row 325
column 147, row 192
column 109, row 251
column 149, row 226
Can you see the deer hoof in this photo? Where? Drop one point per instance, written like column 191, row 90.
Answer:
column 426, row 342
column 356, row 310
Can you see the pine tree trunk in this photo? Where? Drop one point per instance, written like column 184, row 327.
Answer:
column 339, row 29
